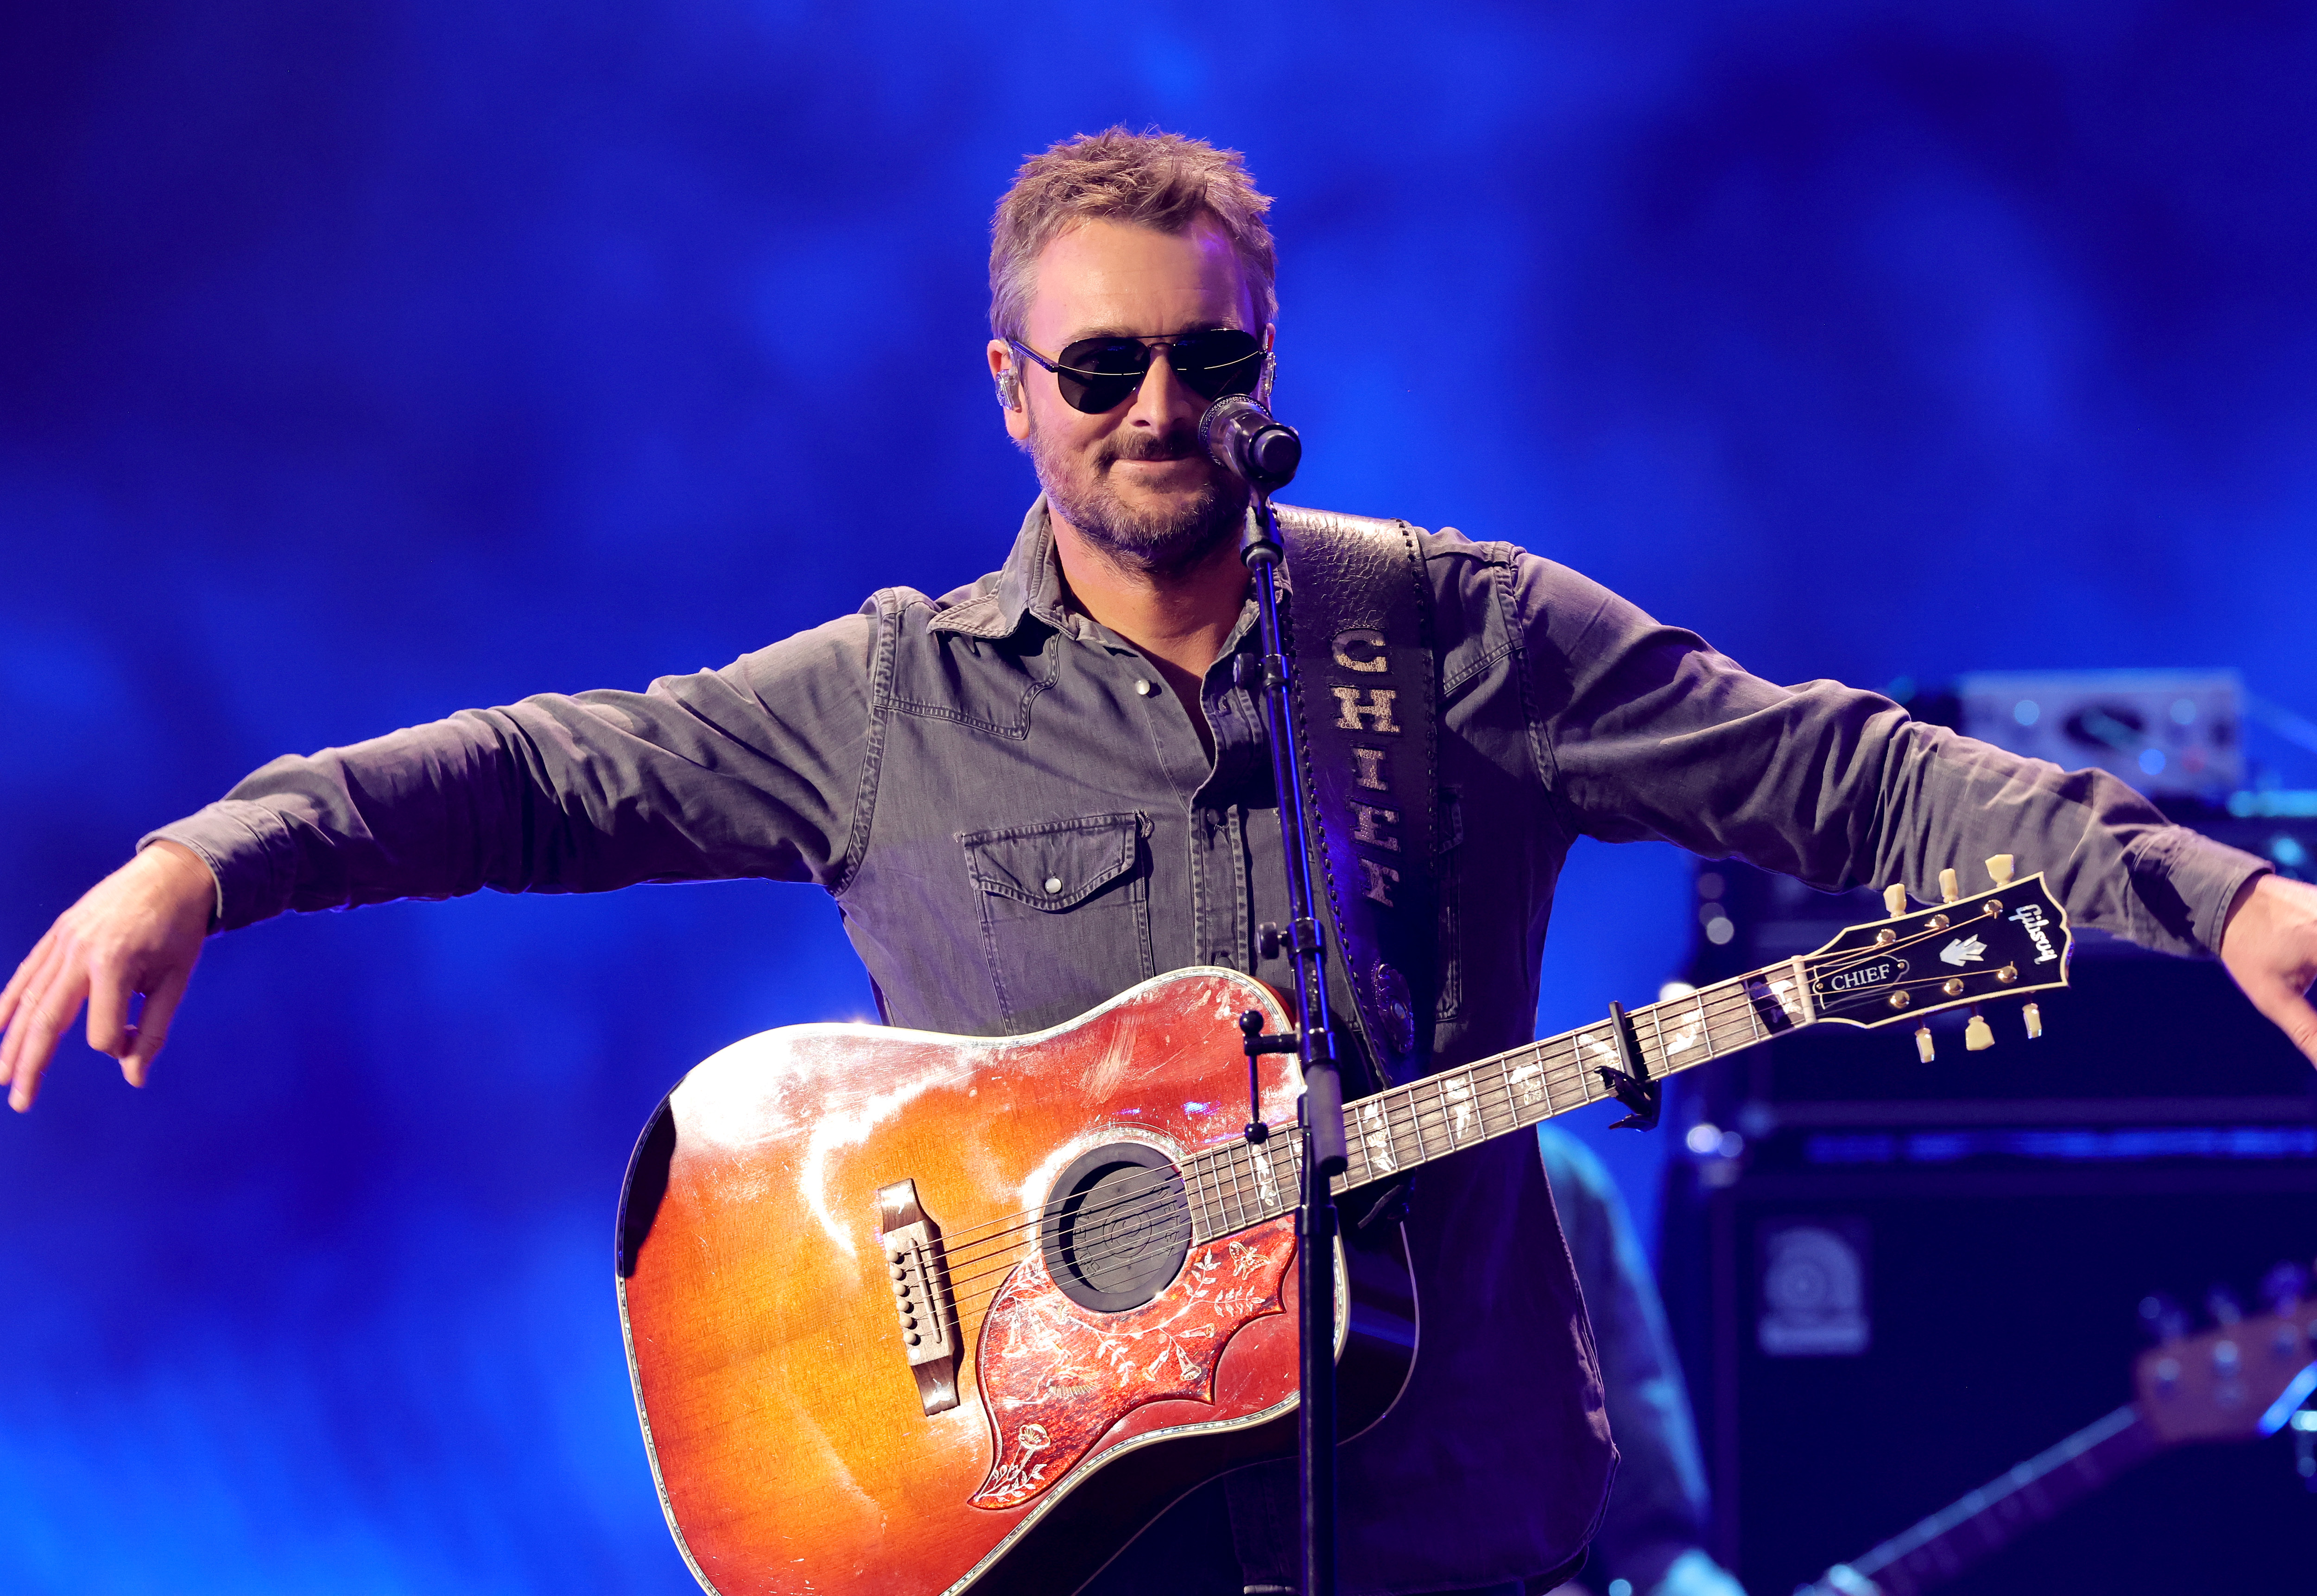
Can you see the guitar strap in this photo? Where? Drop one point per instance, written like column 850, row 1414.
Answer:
column 1360, row 628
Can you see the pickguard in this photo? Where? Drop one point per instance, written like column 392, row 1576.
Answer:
column 1055, row 1377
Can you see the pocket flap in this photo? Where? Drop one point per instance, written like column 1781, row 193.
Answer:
column 1057, row 864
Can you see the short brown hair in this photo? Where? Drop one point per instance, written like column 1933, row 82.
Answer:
column 1160, row 181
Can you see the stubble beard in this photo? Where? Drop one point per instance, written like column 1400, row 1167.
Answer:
column 1172, row 534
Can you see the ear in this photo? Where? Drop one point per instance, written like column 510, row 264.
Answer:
column 1007, row 378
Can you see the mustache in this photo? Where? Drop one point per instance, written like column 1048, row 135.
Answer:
column 1181, row 443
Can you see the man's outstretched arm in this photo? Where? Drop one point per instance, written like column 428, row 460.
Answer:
column 751, row 771
column 1649, row 732
column 138, row 932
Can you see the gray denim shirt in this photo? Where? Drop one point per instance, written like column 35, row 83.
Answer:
column 1018, row 820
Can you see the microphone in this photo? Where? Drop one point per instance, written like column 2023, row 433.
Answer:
column 1239, row 436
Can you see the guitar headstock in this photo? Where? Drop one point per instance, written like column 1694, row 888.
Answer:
column 2242, row 1378
column 2009, row 940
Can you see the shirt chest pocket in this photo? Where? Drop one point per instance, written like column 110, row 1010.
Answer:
column 1065, row 913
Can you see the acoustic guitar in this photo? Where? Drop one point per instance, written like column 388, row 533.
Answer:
column 909, row 1314
column 2243, row 1378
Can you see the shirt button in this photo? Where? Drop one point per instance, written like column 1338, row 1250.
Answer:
column 1142, row 686
column 1053, row 883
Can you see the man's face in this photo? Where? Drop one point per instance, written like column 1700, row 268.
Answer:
column 1133, row 479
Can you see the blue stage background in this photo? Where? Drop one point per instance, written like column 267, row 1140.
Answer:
column 359, row 362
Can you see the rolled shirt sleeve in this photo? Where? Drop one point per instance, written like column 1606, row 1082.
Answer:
column 750, row 771
column 1643, row 731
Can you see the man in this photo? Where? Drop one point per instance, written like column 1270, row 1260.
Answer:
column 1033, row 792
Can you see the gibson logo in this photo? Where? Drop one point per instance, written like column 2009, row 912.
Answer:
column 1864, row 975
column 2031, row 920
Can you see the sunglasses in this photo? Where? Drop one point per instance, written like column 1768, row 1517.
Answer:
column 1099, row 374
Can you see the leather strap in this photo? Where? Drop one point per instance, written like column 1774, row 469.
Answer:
column 1360, row 625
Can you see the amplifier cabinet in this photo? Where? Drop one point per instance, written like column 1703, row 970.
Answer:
column 1892, row 1281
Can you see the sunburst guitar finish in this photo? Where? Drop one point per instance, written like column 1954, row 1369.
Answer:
column 1120, row 1333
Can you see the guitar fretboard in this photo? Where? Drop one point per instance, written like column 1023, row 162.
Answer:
column 1951, row 1540
column 1238, row 1184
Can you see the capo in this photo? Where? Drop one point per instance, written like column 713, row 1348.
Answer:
column 1631, row 1084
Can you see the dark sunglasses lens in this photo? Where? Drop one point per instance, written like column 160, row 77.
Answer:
column 1100, row 375
column 1213, row 363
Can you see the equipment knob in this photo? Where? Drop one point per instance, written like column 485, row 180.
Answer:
column 1999, row 867
column 1894, row 899
column 1976, row 1037
column 1949, row 888
column 2035, row 1018
column 1926, row 1049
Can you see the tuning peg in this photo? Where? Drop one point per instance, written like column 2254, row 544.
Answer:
column 2284, row 1287
column 2034, row 1015
column 1999, row 867
column 2164, row 1320
column 2221, row 1304
column 1976, row 1037
column 1949, row 888
column 1926, row 1049
column 1894, row 899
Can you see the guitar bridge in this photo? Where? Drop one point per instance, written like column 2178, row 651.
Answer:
column 920, row 1272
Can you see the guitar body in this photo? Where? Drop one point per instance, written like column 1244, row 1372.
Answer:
column 1112, row 1343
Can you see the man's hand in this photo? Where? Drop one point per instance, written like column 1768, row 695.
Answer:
column 137, row 930
column 2270, row 946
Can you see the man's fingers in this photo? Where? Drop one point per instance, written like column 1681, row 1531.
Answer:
column 108, row 1010
column 2291, row 1012
column 47, row 1009
column 15, row 990
column 32, row 977
column 152, row 1027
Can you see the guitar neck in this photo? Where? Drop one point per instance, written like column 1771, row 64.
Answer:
column 2008, row 942
column 1993, row 1516
column 1240, row 1184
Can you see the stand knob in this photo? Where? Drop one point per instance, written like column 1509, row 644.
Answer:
column 1976, row 1037
column 1999, row 867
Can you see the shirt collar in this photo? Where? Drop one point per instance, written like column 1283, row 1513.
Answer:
column 1030, row 583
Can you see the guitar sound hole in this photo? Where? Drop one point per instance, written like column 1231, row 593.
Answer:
column 1117, row 1227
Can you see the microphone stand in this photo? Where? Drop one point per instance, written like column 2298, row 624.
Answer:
column 1321, row 1129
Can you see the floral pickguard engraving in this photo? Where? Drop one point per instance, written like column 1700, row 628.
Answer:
column 1055, row 1377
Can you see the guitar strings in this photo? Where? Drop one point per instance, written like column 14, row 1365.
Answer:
column 1217, row 1184
column 1159, row 1200
column 1727, row 998
column 1213, row 1175
column 1560, row 1074
column 1565, row 1074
